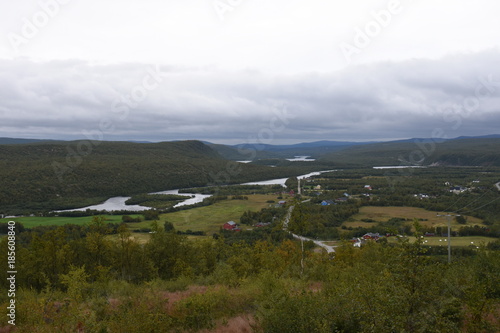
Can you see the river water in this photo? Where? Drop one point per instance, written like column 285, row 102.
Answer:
column 118, row 203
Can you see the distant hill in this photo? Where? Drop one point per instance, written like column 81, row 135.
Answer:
column 264, row 151
column 15, row 141
column 456, row 152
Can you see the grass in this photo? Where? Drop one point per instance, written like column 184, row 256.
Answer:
column 210, row 218
column 382, row 214
column 458, row 241
column 455, row 241
column 33, row 221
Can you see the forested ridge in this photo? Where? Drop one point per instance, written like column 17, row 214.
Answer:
column 50, row 176
column 458, row 152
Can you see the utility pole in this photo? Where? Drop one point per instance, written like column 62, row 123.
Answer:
column 448, row 218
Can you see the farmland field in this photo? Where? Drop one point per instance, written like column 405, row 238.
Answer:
column 382, row 214
column 210, row 218
column 455, row 241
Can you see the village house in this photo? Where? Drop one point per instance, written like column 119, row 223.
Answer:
column 371, row 235
column 458, row 189
column 231, row 225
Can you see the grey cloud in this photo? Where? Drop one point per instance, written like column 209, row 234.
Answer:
column 62, row 99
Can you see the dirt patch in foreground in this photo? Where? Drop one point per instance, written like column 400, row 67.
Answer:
column 241, row 324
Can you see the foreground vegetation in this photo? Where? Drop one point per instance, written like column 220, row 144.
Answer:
column 70, row 281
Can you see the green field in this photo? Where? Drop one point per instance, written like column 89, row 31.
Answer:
column 30, row 222
column 210, row 218
column 382, row 214
column 458, row 241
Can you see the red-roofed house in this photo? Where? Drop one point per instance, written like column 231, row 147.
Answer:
column 231, row 225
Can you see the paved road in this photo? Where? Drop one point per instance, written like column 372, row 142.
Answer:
column 328, row 248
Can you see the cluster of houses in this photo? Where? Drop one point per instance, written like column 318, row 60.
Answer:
column 457, row 189
column 357, row 242
column 333, row 202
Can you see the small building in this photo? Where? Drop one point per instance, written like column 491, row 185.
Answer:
column 282, row 202
column 341, row 199
column 357, row 242
column 458, row 189
column 368, row 187
column 327, row 203
column 371, row 235
column 231, row 225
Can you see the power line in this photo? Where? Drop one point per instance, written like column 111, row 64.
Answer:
column 483, row 205
column 473, row 201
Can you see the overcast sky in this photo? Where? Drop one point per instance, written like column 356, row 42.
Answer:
column 234, row 71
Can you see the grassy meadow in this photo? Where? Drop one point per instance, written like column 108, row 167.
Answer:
column 382, row 214
column 210, row 218
column 34, row 221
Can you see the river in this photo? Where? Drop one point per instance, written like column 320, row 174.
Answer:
column 118, row 203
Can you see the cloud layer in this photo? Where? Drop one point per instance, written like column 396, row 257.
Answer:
column 457, row 95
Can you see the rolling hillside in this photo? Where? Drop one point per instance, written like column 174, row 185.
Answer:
column 48, row 176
